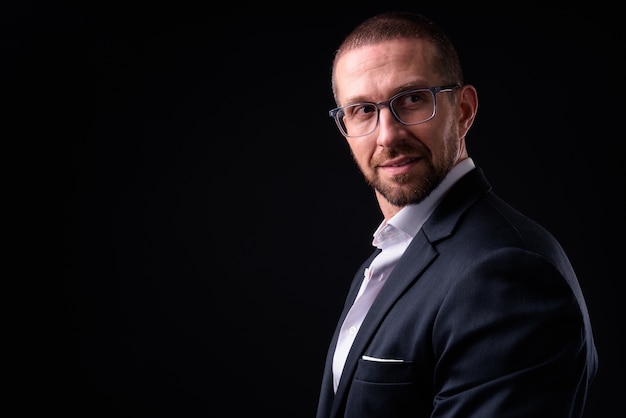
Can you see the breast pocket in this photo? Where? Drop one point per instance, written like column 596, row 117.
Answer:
column 386, row 388
column 384, row 370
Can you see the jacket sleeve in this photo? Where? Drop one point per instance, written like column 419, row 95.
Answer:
column 510, row 341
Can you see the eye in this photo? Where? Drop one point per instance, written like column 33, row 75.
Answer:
column 360, row 110
column 368, row 108
column 413, row 99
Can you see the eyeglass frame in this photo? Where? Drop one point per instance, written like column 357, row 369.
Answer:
column 333, row 113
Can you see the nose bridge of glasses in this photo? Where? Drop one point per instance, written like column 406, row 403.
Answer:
column 389, row 105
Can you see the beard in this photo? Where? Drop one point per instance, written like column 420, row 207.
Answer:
column 410, row 188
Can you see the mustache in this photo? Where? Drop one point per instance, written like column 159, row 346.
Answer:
column 399, row 149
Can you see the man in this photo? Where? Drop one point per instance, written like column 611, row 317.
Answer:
column 467, row 308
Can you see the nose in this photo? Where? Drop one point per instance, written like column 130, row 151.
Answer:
column 389, row 128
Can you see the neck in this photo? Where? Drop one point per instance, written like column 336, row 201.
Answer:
column 386, row 208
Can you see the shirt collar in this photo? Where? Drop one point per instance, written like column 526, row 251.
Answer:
column 408, row 221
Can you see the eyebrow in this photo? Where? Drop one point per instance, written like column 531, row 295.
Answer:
column 411, row 85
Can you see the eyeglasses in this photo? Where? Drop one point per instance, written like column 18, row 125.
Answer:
column 410, row 107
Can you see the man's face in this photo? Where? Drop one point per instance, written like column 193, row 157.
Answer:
column 402, row 163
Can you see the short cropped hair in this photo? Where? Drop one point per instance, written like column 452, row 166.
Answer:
column 400, row 25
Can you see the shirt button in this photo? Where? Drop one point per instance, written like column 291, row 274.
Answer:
column 352, row 330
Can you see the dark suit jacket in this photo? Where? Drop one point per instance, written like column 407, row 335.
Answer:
column 483, row 317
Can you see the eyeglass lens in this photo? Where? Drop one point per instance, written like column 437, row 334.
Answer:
column 410, row 108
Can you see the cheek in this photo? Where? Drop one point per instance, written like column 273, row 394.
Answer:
column 439, row 140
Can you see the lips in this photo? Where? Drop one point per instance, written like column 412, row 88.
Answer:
column 399, row 165
column 398, row 162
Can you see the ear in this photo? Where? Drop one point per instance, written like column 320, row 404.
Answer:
column 467, row 107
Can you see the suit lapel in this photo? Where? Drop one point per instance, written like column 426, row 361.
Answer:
column 416, row 259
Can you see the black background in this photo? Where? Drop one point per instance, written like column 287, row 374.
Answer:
column 207, row 215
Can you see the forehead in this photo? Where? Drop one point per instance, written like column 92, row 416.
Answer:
column 378, row 70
